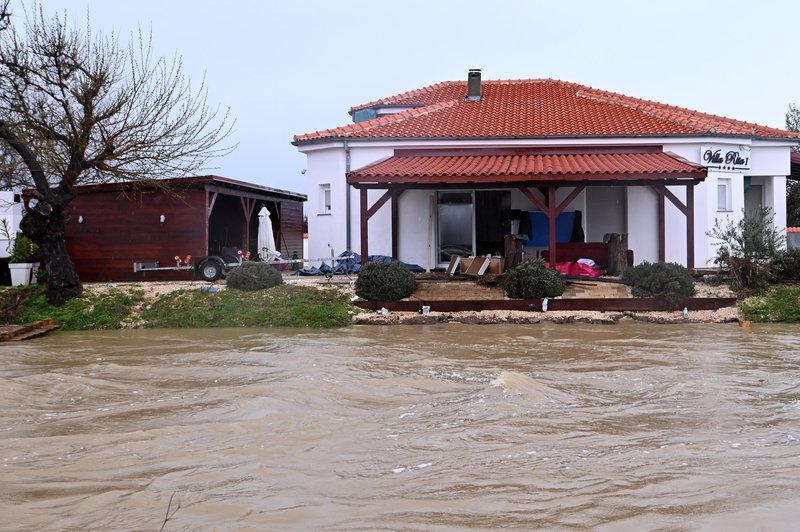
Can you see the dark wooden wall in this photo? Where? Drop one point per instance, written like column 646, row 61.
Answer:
column 118, row 231
column 291, row 228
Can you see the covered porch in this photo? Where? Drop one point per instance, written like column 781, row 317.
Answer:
column 549, row 178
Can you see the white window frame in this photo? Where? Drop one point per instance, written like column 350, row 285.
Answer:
column 724, row 189
column 324, row 199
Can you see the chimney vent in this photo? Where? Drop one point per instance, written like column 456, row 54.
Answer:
column 474, row 90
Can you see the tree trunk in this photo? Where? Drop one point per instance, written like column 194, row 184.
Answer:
column 617, row 253
column 47, row 231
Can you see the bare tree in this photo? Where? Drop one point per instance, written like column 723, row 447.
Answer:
column 75, row 107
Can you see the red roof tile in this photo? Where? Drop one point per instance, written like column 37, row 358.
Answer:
column 535, row 108
column 793, row 229
column 542, row 167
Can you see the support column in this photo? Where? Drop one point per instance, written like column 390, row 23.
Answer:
column 690, row 226
column 551, row 216
column 364, row 231
column 662, row 229
column 395, row 224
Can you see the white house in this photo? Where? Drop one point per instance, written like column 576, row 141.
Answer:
column 460, row 164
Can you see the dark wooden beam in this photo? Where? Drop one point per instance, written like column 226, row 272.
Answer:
column 396, row 222
column 572, row 195
column 690, row 226
column 380, row 203
column 534, row 199
column 662, row 229
column 211, row 199
column 664, row 191
column 551, row 216
column 364, row 221
column 247, row 209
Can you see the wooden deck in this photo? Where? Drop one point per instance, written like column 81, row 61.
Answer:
column 15, row 333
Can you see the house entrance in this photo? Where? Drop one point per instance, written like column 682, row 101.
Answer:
column 472, row 223
column 491, row 220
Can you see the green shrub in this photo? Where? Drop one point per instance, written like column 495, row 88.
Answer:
column 385, row 281
column 667, row 280
column 778, row 305
column 254, row 276
column 786, row 265
column 533, row 280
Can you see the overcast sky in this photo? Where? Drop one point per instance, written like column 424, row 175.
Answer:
column 295, row 66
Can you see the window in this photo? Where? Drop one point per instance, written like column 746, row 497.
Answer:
column 723, row 194
column 325, row 199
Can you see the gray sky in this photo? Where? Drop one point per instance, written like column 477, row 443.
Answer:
column 288, row 67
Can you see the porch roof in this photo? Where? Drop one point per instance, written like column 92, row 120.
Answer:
column 630, row 165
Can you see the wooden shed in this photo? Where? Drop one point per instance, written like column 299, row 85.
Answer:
column 112, row 226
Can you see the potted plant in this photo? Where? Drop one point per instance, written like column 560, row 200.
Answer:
column 22, row 263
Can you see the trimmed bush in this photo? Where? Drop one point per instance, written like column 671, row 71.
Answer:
column 533, row 280
column 667, row 280
column 254, row 276
column 385, row 281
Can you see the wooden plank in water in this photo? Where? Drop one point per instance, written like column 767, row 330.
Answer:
column 14, row 333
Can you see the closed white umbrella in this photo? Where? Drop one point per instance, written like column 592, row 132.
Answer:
column 266, row 239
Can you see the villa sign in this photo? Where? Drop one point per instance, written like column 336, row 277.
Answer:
column 725, row 158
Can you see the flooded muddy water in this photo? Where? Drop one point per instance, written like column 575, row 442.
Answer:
column 446, row 427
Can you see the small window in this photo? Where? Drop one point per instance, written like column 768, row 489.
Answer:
column 325, row 199
column 723, row 194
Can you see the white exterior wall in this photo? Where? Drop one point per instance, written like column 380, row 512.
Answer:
column 642, row 205
column 417, row 241
column 11, row 212
column 326, row 166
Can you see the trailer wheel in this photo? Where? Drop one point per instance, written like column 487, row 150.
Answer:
column 210, row 270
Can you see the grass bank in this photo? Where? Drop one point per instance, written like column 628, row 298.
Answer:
column 281, row 306
column 776, row 304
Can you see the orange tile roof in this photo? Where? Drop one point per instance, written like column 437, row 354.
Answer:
column 534, row 108
column 793, row 229
column 540, row 167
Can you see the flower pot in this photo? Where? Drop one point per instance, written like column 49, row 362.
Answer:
column 23, row 273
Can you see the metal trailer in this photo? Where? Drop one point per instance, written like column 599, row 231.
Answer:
column 213, row 267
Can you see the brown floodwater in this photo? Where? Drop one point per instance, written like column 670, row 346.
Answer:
column 445, row 427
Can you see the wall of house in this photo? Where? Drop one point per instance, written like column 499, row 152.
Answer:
column 327, row 164
column 769, row 163
column 326, row 167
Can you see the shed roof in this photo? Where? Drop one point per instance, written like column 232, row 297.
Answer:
column 194, row 181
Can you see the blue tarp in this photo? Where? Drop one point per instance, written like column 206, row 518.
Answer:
column 350, row 263
column 540, row 228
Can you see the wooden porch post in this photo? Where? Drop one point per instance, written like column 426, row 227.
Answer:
column 364, row 222
column 551, row 216
column 662, row 229
column 395, row 224
column 247, row 209
column 690, row 226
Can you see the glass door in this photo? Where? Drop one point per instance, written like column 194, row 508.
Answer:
column 455, row 225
